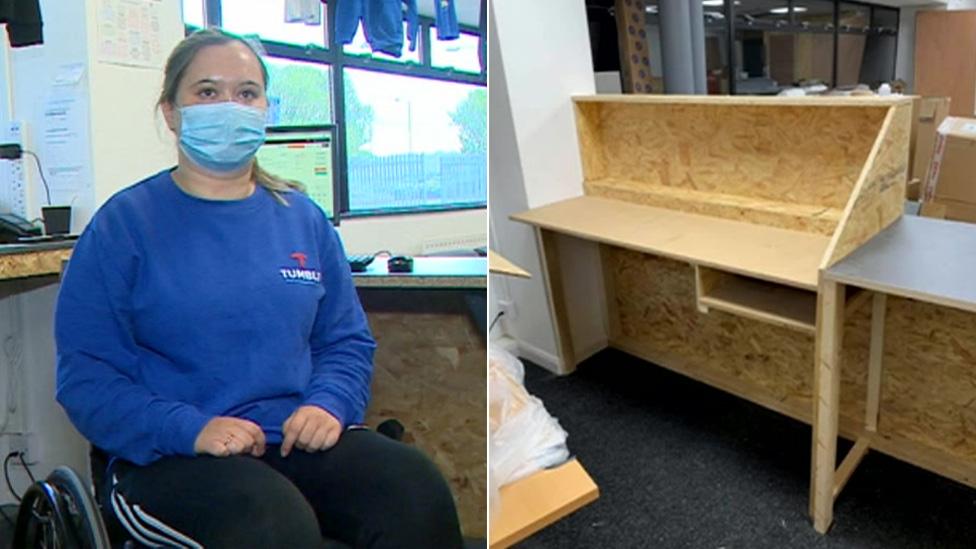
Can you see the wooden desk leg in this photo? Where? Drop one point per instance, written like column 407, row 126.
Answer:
column 553, row 279
column 873, row 405
column 830, row 333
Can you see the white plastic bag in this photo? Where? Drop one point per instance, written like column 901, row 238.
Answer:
column 523, row 437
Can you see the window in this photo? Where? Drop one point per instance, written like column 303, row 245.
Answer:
column 299, row 94
column 414, row 143
column 411, row 131
column 460, row 54
column 267, row 19
column 360, row 47
column 193, row 13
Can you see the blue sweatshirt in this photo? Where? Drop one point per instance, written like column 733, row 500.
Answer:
column 175, row 309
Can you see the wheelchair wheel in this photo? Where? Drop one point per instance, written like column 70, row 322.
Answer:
column 59, row 513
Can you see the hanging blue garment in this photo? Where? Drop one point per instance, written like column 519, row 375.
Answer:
column 446, row 20
column 382, row 23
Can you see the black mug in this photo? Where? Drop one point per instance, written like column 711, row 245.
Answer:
column 57, row 219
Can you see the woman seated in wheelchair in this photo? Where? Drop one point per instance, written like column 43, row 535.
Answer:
column 210, row 341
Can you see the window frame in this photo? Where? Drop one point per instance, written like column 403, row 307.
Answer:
column 338, row 61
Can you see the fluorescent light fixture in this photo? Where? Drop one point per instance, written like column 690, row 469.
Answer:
column 784, row 10
column 713, row 2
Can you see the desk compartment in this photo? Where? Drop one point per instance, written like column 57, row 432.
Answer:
column 756, row 299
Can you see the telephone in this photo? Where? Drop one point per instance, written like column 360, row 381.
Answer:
column 12, row 227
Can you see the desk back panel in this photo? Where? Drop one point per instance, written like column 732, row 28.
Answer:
column 788, row 163
column 798, row 154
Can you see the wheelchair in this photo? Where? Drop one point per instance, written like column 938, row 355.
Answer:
column 60, row 512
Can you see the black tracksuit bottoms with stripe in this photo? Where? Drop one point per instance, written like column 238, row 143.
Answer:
column 366, row 491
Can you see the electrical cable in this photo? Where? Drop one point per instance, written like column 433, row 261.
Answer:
column 37, row 160
column 498, row 316
column 6, row 475
column 20, row 455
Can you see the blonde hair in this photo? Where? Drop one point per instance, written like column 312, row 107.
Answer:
column 181, row 57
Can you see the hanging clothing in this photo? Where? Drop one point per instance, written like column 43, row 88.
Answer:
column 446, row 20
column 23, row 19
column 382, row 22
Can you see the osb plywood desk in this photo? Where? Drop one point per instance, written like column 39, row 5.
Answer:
column 925, row 260
column 431, row 366
column 24, row 267
column 702, row 229
column 428, row 272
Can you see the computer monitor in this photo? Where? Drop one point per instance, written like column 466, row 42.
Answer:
column 305, row 154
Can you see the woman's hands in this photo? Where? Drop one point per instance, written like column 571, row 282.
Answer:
column 310, row 428
column 228, row 436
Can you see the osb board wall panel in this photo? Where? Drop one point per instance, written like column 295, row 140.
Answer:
column 32, row 263
column 878, row 200
column 787, row 153
column 800, row 217
column 928, row 381
column 928, row 385
column 430, row 374
column 655, row 303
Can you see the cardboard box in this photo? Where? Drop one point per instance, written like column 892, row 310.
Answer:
column 950, row 209
column 951, row 178
column 927, row 114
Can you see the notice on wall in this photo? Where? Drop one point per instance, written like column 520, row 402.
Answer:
column 129, row 32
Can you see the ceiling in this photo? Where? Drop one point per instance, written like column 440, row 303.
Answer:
column 468, row 11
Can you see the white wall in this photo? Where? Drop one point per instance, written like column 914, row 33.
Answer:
column 533, row 158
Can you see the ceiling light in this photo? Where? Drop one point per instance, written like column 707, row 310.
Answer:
column 784, row 9
column 713, row 2
column 799, row 9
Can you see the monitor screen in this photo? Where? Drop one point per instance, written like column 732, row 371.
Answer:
column 304, row 155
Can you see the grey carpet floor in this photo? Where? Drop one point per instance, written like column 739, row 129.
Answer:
column 680, row 464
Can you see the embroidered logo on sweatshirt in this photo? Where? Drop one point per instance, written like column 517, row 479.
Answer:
column 300, row 275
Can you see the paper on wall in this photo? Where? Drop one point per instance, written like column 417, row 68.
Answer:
column 129, row 32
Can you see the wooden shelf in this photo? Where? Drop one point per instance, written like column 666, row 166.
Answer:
column 762, row 211
column 757, row 299
column 768, row 253
column 531, row 504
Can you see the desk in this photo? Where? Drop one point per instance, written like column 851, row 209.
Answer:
column 445, row 273
column 24, row 267
column 431, row 365
column 927, row 260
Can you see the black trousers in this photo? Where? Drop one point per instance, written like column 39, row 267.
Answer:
column 366, row 491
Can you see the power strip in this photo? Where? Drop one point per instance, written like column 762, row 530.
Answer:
column 13, row 184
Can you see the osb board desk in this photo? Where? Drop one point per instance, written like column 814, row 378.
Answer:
column 428, row 272
column 916, row 260
column 430, row 369
column 24, row 267
column 702, row 230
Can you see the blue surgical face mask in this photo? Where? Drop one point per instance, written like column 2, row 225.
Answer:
column 221, row 137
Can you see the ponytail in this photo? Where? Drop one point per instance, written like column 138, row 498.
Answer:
column 277, row 186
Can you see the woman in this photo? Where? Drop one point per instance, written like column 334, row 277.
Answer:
column 211, row 341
